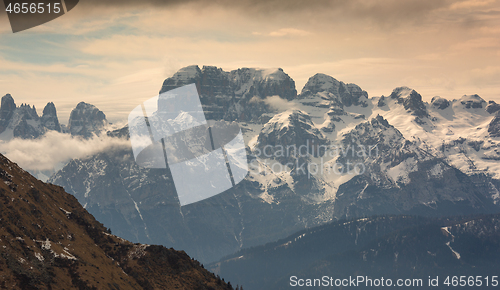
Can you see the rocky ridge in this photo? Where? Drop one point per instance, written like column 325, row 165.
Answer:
column 24, row 122
column 48, row 241
column 234, row 95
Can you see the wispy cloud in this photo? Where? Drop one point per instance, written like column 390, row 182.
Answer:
column 467, row 4
column 278, row 103
column 286, row 32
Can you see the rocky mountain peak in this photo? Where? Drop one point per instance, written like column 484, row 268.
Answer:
column 210, row 70
column 494, row 126
column 49, row 110
column 320, row 83
column 186, row 75
column 376, row 131
column 275, row 82
column 411, row 100
column 213, row 81
column 277, row 74
column 291, row 118
column 339, row 93
column 381, row 101
column 24, row 122
column 227, row 95
column 492, row 107
column 379, row 120
column 292, row 127
column 7, row 108
column 250, row 82
column 28, row 112
column 49, row 118
column 86, row 120
column 8, row 102
column 381, row 141
column 400, row 92
column 472, row 101
column 440, row 103
column 414, row 103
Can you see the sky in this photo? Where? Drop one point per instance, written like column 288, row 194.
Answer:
column 116, row 54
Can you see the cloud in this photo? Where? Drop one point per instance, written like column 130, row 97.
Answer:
column 380, row 11
column 278, row 103
column 55, row 149
column 471, row 4
column 289, row 32
column 385, row 13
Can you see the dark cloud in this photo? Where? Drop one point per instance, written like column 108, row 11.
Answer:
column 381, row 11
column 387, row 13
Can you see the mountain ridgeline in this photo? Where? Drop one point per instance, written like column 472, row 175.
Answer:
column 49, row 241
column 24, row 122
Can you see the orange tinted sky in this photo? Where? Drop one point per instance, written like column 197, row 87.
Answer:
column 117, row 55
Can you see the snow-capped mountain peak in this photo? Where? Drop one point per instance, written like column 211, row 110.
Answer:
column 440, row 103
column 361, row 156
column 411, row 100
column 472, row 102
column 339, row 93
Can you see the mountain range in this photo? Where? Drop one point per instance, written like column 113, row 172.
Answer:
column 363, row 156
column 24, row 122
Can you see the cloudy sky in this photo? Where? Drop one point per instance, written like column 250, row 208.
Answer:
column 115, row 54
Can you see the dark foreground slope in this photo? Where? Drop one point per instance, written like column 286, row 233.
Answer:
column 393, row 247
column 49, row 241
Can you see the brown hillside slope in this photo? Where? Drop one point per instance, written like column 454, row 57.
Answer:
column 49, row 241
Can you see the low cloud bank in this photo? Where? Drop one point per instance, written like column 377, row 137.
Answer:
column 55, row 149
column 280, row 104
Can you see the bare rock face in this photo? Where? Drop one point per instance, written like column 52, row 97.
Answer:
column 187, row 75
column 381, row 101
column 235, row 95
column 49, row 118
column 492, row 107
column 6, row 111
column 24, row 122
column 494, row 126
column 324, row 91
column 86, row 120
